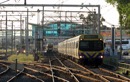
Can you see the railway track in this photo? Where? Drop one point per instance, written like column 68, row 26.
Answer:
column 27, row 74
column 105, row 74
column 3, row 68
column 56, row 69
column 101, row 73
column 67, row 75
column 77, row 72
column 8, row 74
column 47, row 72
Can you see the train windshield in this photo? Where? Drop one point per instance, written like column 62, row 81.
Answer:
column 95, row 45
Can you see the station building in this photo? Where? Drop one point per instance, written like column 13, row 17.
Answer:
column 55, row 32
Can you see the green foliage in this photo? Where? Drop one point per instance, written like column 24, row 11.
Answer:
column 111, row 61
column 113, row 2
column 22, row 58
column 123, row 1
column 123, row 7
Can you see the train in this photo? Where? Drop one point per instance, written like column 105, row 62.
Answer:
column 49, row 47
column 86, row 49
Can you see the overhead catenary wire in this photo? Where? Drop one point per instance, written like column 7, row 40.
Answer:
column 4, row 1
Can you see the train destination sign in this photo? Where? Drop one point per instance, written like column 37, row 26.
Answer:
column 91, row 36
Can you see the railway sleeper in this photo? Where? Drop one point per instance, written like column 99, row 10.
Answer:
column 117, row 75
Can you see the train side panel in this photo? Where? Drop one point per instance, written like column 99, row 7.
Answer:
column 72, row 50
column 62, row 47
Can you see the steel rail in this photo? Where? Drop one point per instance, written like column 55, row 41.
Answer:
column 91, row 72
column 117, row 75
column 5, row 70
column 50, row 75
column 51, row 71
column 20, row 72
column 86, row 77
column 33, row 76
column 67, row 69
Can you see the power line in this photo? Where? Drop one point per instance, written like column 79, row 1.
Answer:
column 4, row 2
column 17, row 0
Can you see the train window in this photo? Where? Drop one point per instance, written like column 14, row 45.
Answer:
column 93, row 45
column 84, row 45
column 98, row 45
column 123, row 42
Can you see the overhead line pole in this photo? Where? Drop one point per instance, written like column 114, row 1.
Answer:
column 21, row 32
column 26, row 34
column 12, row 48
column 6, row 35
column 25, row 2
column 120, row 55
column 43, row 29
column 98, row 30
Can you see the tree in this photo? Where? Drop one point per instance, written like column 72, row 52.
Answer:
column 91, row 19
column 123, row 7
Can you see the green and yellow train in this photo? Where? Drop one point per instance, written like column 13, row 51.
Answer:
column 85, row 49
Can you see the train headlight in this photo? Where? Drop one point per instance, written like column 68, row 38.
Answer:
column 24, row 51
column 101, row 57
column 17, row 51
column 81, row 39
column 45, row 51
column 80, row 56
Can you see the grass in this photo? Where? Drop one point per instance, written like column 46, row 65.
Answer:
column 41, row 57
column 119, row 71
column 22, row 58
column 111, row 60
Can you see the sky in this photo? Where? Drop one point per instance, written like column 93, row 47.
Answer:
column 108, row 11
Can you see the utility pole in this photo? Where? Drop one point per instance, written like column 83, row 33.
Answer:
column 43, row 28
column 113, row 40
column 6, row 35
column 120, row 57
column 12, row 39
column 26, row 34
column 24, row 2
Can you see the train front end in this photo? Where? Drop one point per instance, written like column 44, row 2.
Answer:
column 91, row 51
